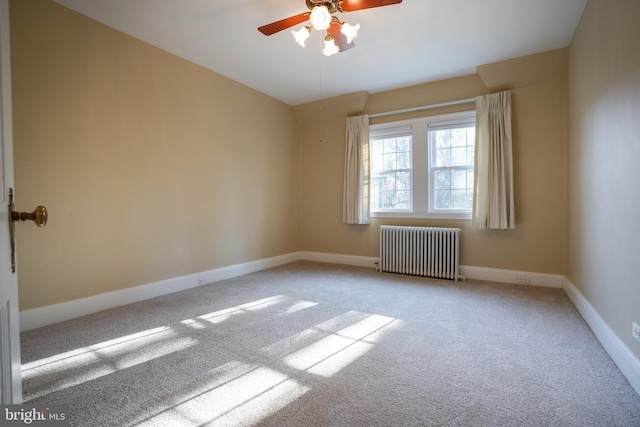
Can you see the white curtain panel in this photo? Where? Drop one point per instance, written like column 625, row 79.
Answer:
column 493, row 204
column 356, row 171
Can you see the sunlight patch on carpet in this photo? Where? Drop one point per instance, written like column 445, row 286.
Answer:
column 330, row 346
column 328, row 356
column 95, row 361
column 225, row 314
column 243, row 395
column 193, row 324
column 300, row 305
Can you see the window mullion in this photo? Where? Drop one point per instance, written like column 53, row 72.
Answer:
column 420, row 170
column 421, row 200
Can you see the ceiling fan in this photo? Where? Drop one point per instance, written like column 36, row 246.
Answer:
column 339, row 36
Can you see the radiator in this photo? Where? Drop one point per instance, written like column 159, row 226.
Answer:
column 420, row 251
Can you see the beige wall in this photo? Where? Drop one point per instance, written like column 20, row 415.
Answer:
column 604, row 134
column 150, row 170
column 538, row 85
column 155, row 168
column 151, row 167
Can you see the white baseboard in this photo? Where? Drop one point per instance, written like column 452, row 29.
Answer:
column 627, row 362
column 43, row 316
column 31, row 319
column 360, row 261
column 512, row 276
column 469, row 272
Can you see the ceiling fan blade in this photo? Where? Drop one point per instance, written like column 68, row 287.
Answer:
column 283, row 24
column 352, row 5
column 339, row 38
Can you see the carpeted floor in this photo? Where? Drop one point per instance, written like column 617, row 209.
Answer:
column 311, row 344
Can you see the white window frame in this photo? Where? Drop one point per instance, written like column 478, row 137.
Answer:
column 390, row 132
column 422, row 183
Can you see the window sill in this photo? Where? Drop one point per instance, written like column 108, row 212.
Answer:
column 439, row 215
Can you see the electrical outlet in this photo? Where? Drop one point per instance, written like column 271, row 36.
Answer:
column 524, row 280
column 202, row 281
column 636, row 331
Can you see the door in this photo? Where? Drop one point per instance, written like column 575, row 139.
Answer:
column 10, row 379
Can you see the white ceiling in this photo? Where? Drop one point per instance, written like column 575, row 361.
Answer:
column 414, row 42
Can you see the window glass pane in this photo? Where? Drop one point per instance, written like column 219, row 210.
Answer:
column 391, row 190
column 389, row 183
column 443, row 199
column 403, row 181
column 443, row 179
column 375, row 147
column 443, row 157
column 459, row 180
column 403, row 200
column 470, row 180
column 404, row 143
column 404, row 160
column 442, row 139
column 471, row 154
column 452, row 149
column 375, row 160
column 389, row 161
column 376, row 189
column 458, row 156
column 390, row 145
column 458, row 137
column 391, row 173
column 388, row 199
column 458, row 199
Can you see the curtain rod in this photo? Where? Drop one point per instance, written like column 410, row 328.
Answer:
column 424, row 107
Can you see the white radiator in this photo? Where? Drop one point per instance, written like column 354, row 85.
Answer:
column 420, row 251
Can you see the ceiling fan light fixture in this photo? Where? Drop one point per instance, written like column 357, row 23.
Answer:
column 351, row 31
column 301, row 35
column 330, row 47
column 320, row 18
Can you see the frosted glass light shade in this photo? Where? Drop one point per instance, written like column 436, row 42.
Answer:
column 301, row 35
column 330, row 47
column 351, row 31
column 320, row 18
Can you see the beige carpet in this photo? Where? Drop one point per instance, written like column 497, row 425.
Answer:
column 311, row 344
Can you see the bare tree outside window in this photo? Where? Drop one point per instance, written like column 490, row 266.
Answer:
column 391, row 173
column 423, row 167
column 454, row 150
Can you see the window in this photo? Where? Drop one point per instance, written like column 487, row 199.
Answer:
column 390, row 156
column 423, row 167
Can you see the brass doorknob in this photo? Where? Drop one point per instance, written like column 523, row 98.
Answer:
column 38, row 216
